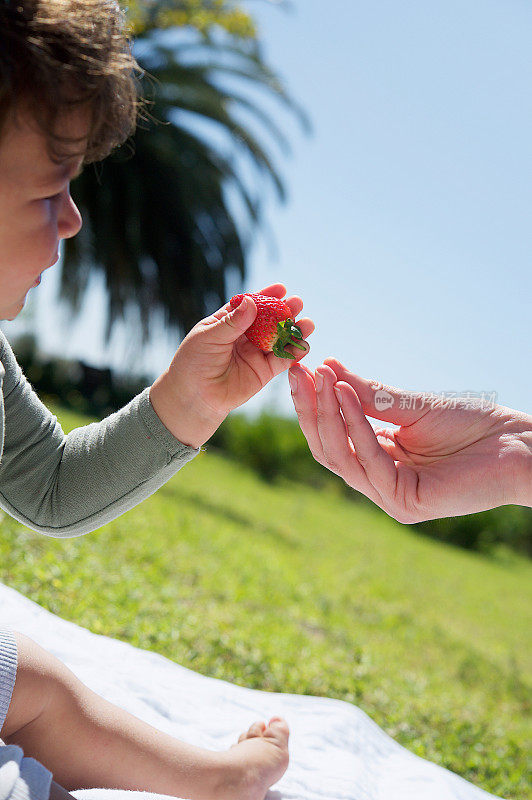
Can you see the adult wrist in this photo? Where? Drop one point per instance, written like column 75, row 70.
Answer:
column 526, row 466
column 517, row 476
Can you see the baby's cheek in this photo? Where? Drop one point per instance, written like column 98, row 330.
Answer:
column 45, row 231
column 45, row 214
column 33, row 253
column 14, row 248
column 28, row 238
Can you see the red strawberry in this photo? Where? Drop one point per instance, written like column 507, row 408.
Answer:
column 273, row 327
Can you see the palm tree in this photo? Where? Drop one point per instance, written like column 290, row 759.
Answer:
column 168, row 221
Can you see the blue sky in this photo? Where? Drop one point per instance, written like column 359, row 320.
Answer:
column 408, row 229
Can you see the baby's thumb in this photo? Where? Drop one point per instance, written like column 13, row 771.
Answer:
column 232, row 326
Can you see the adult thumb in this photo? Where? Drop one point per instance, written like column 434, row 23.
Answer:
column 235, row 322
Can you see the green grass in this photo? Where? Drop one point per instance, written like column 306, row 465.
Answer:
column 288, row 589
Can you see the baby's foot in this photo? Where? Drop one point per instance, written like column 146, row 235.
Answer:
column 258, row 760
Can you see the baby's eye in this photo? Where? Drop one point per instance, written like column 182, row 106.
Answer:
column 53, row 197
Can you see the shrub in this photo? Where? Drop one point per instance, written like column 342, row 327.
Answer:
column 509, row 525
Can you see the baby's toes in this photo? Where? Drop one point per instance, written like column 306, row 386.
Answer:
column 277, row 729
column 257, row 729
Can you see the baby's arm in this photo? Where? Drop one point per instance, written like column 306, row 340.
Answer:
column 86, row 742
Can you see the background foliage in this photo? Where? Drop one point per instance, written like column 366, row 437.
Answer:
column 204, row 16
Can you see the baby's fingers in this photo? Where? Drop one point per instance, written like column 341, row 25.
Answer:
column 279, row 290
column 306, row 326
column 298, row 351
column 274, row 290
column 295, row 304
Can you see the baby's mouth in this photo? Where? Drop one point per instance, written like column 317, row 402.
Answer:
column 55, row 260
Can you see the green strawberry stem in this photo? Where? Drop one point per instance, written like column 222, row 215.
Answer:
column 286, row 331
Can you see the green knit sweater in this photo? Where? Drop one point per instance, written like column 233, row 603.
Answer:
column 67, row 485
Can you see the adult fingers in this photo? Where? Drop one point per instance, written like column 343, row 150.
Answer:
column 387, row 441
column 381, row 401
column 340, row 454
column 378, row 466
column 331, row 426
column 303, row 392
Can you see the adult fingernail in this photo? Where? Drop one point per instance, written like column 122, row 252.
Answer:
column 338, row 394
column 292, row 380
column 319, row 381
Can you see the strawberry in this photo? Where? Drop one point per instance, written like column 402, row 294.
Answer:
column 273, row 327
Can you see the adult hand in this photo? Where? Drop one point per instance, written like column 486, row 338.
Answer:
column 216, row 369
column 443, row 461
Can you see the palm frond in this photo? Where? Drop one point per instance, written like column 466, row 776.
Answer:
column 158, row 222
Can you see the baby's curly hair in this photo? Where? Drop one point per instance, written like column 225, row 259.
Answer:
column 59, row 55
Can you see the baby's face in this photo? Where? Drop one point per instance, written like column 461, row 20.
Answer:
column 36, row 211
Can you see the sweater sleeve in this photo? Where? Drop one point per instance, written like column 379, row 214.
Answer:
column 8, row 671
column 20, row 778
column 66, row 486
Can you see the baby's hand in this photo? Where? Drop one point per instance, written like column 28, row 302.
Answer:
column 217, row 369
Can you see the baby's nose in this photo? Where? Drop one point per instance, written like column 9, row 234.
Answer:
column 70, row 221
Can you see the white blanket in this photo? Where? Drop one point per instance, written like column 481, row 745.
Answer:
column 336, row 751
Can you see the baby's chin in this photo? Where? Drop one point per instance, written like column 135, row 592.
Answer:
column 11, row 312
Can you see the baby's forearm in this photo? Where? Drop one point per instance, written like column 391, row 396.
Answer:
column 86, row 742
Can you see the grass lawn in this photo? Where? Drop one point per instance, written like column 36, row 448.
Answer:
column 287, row 589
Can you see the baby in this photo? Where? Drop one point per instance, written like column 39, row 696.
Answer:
column 68, row 97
